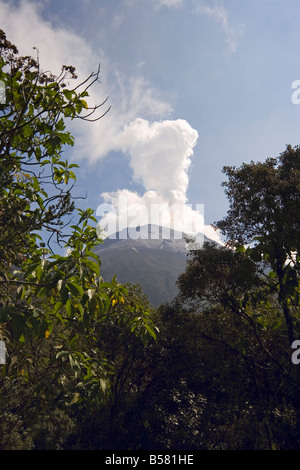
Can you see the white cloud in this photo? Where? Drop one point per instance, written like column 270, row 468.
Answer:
column 211, row 9
column 25, row 28
column 160, row 150
column 219, row 14
column 133, row 210
column 170, row 3
column 160, row 155
column 128, row 97
column 125, row 208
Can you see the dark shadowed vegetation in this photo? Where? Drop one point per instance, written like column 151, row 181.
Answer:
column 90, row 364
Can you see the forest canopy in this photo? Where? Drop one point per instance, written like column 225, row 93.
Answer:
column 89, row 364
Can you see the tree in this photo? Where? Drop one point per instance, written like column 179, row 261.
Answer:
column 264, row 213
column 51, row 305
column 247, row 295
column 32, row 136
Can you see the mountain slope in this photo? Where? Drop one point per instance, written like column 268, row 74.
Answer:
column 153, row 262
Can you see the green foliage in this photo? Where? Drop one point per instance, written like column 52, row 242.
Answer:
column 53, row 308
column 264, row 214
column 247, row 296
column 35, row 181
column 220, row 374
column 89, row 364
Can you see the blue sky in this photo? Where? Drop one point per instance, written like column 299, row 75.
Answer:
column 193, row 85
